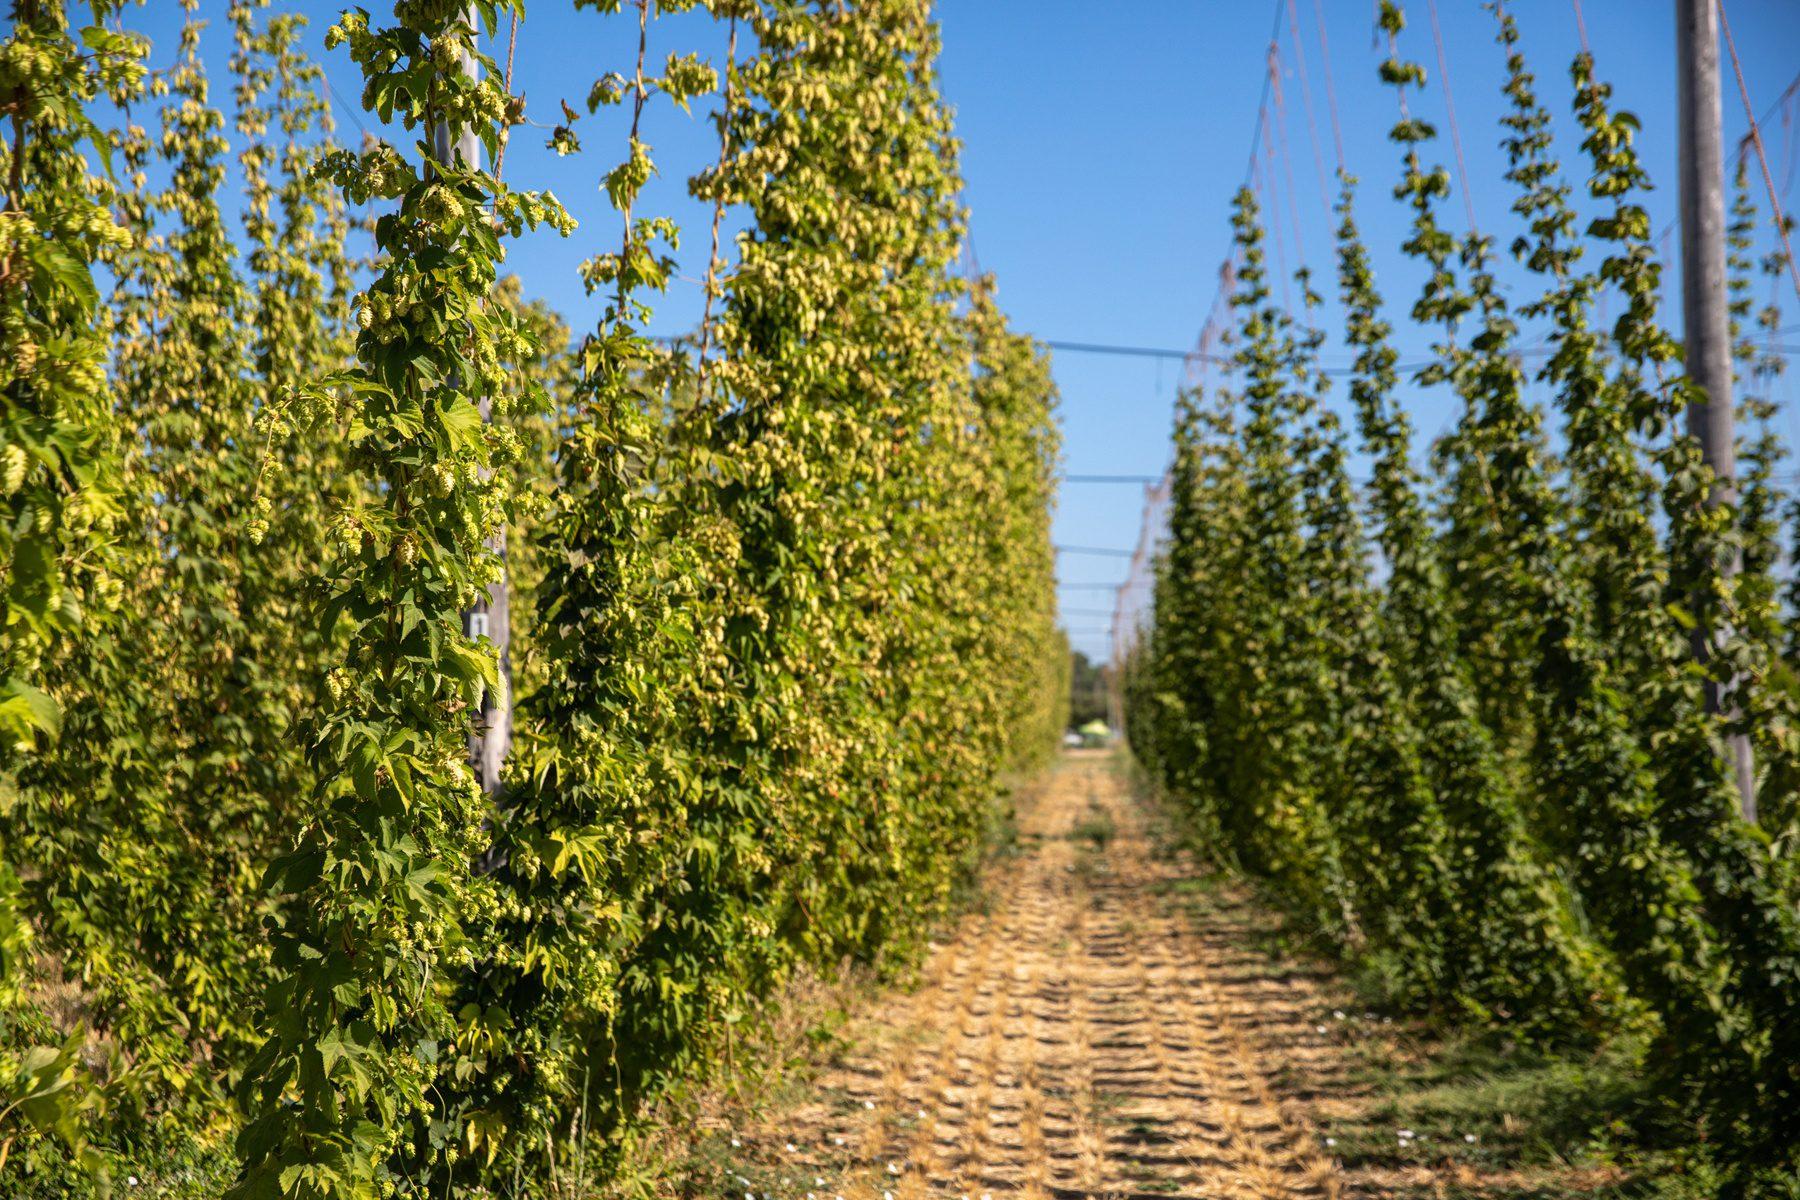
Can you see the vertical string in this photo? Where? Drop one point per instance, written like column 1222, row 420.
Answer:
column 639, row 93
column 1312, row 124
column 1462, row 169
column 1581, row 29
column 1337, row 132
column 512, row 44
column 1668, row 256
column 1762, row 157
column 1788, row 126
column 1272, row 204
column 1291, row 193
column 718, row 213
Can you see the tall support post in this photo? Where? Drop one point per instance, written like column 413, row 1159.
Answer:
column 1113, row 677
column 1705, row 316
column 492, row 617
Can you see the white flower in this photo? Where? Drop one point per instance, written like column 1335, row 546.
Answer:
column 131, row 1180
column 868, row 1104
column 892, row 1169
column 1469, row 1137
column 735, row 1143
column 1338, row 1013
column 791, row 1147
column 1331, row 1141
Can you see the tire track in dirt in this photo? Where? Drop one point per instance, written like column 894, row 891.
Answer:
column 1077, row 1039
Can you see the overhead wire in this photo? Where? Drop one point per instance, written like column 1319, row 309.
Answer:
column 1533, row 351
column 1105, row 551
column 1122, row 351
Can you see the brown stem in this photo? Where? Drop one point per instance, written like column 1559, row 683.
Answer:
column 15, row 182
column 512, row 44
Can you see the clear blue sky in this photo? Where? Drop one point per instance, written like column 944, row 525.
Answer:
column 1102, row 143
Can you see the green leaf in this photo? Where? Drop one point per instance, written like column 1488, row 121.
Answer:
column 24, row 707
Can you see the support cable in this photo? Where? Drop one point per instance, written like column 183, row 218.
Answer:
column 1287, row 161
column 1337, row 132
column 1103, row 551
column 713, row 262
column 1272, row 204
column 512, row 46
column 1462, row 167
column 1762, row 157
column 1780, row 105
column 1312, row 123
column 1581, row 29
column 1788, row 123
column 1224, row 360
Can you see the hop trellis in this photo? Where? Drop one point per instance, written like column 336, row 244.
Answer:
column 782, row 621
column 1523, row 813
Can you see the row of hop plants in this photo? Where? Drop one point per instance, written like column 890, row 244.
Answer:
column 783, row 615
column 1453, row 716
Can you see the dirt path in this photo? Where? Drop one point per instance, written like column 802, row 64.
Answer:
column 1080, row 1038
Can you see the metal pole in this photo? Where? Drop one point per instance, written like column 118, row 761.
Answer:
column 1705, row 318
column 492, row 735
column 1115, row 705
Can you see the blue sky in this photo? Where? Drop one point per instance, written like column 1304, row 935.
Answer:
column 1102, row 141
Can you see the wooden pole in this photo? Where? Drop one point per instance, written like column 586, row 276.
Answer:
column 1705, row 316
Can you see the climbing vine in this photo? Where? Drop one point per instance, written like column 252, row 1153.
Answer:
column 59, row 449
column 783, row 627
column 380, row 882
column 1525, row 716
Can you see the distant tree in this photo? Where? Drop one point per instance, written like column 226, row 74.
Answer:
column 1087, row 692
